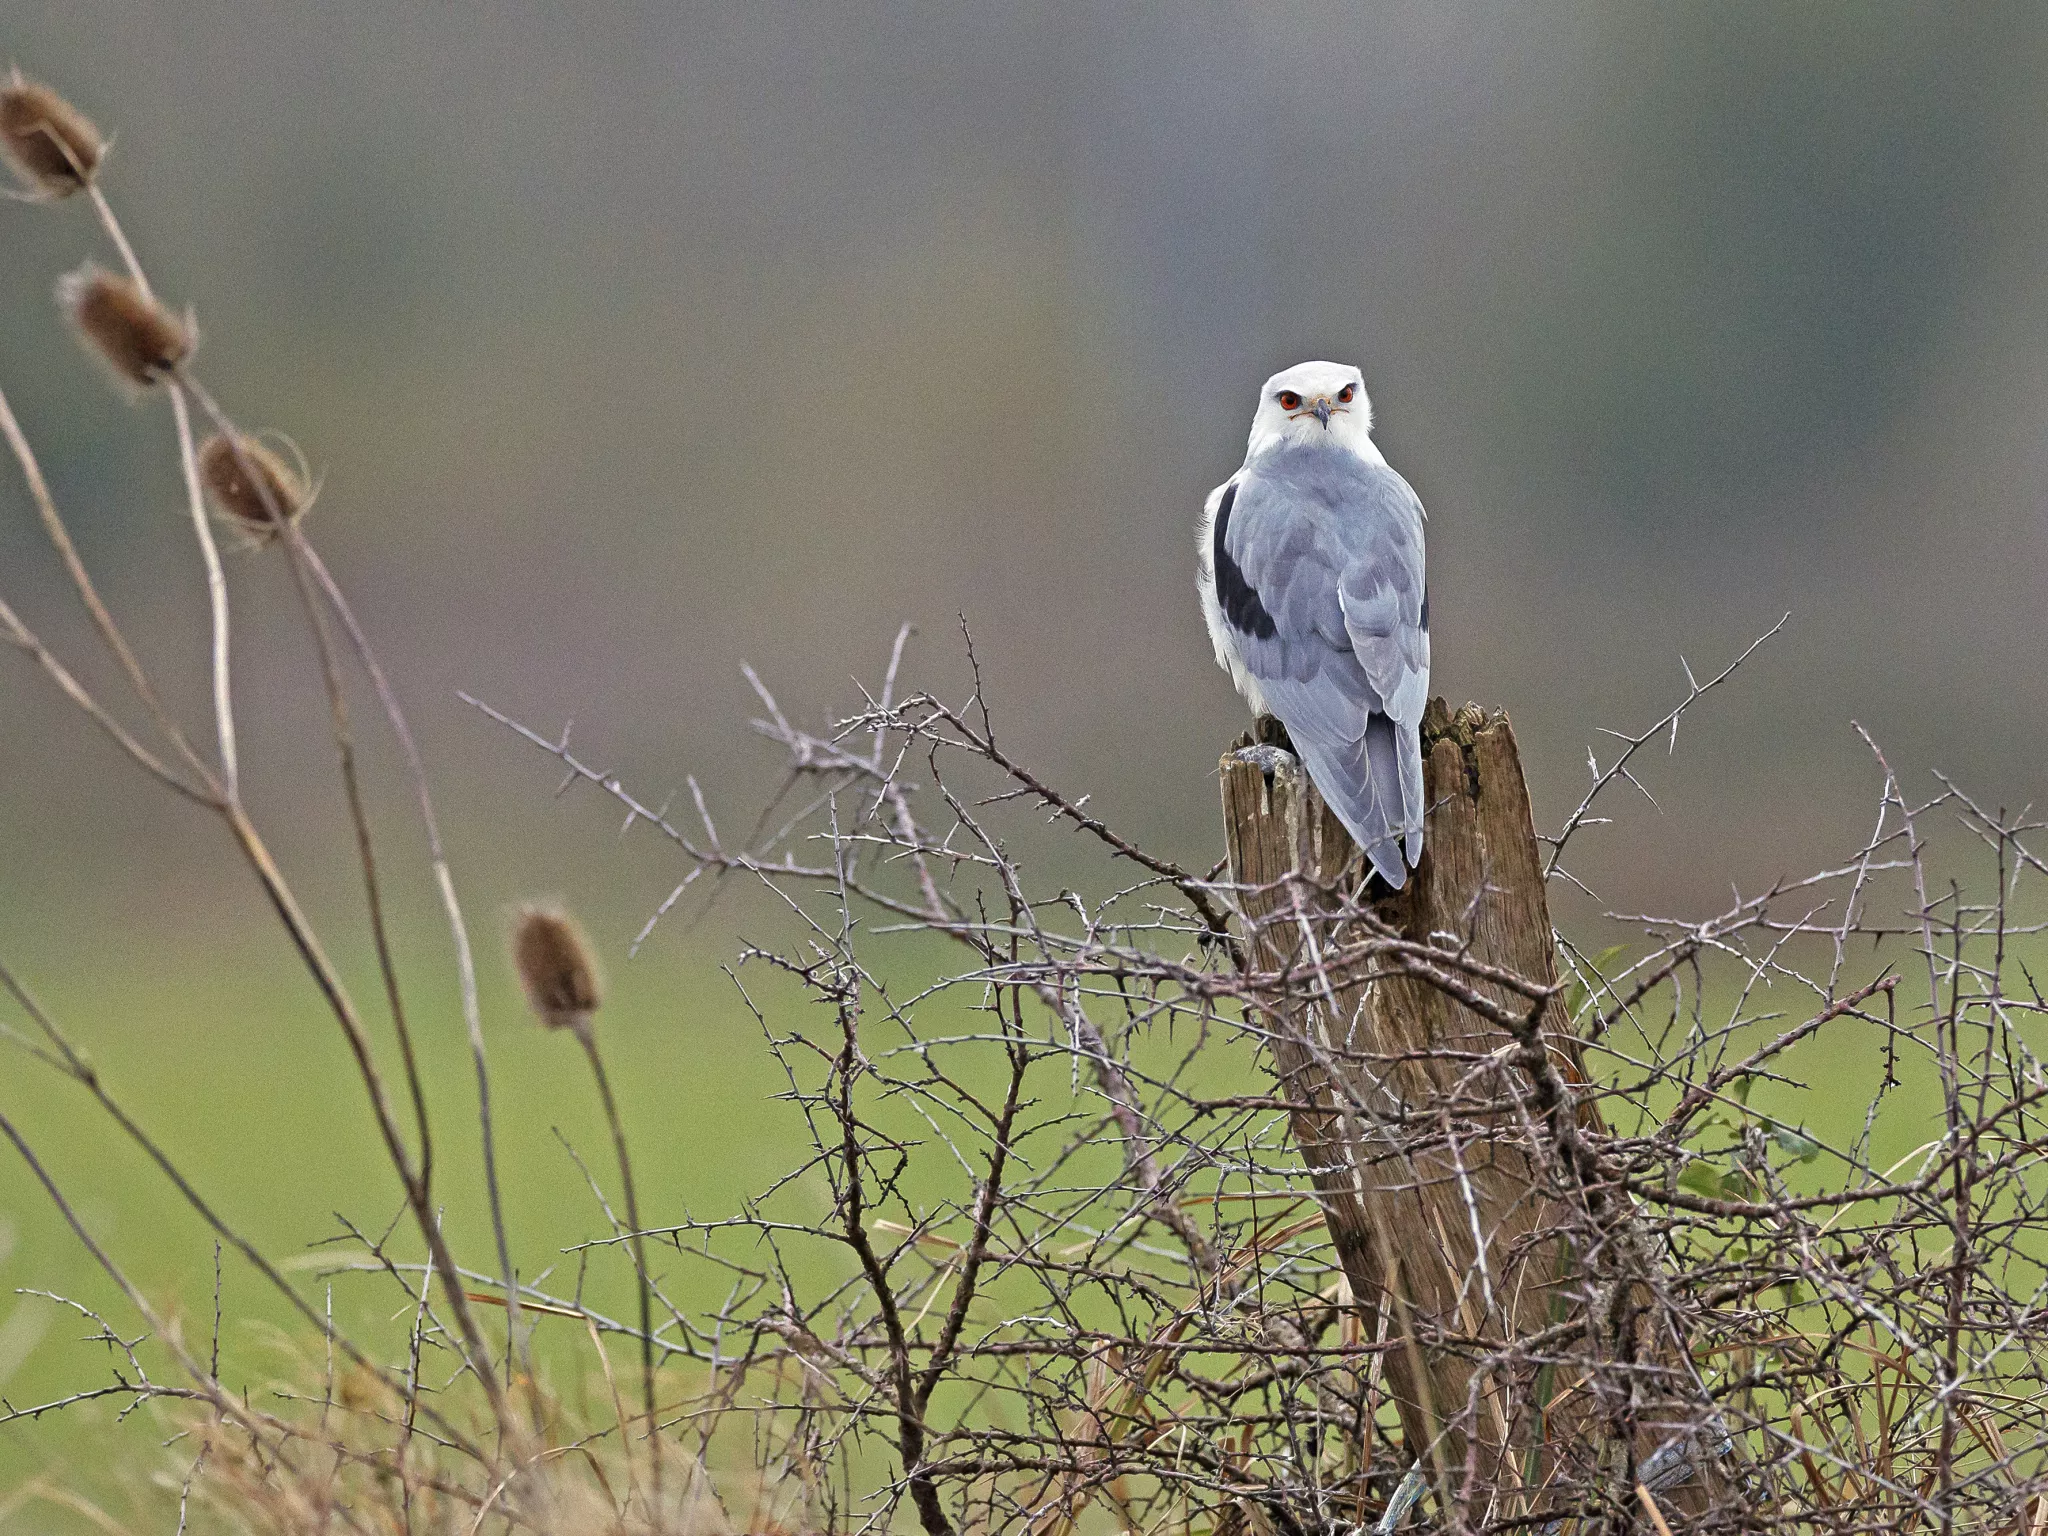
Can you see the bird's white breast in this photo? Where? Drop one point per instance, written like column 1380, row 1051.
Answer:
column 1221, row 635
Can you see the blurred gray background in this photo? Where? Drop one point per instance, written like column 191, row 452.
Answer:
column 637, row 341
column 634, row 341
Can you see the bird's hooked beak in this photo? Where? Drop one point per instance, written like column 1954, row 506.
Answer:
column 1322, row 410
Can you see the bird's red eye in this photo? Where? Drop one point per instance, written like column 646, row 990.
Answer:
column 1344, row 395
column 1289, row 400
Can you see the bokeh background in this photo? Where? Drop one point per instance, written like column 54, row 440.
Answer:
column 635, row 341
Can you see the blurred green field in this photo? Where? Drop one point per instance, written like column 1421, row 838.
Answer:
column 260, row 1104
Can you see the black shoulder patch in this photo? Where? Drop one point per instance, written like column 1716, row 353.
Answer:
column 1240, row 600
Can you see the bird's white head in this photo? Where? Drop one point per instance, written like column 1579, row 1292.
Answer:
column 1314, row 403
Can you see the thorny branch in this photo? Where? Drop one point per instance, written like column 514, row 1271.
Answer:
column 1232, row 1373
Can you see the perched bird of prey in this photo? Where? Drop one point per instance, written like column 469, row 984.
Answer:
column 1312, row 583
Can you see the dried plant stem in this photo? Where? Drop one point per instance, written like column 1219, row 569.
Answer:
column 458, row 929
column 21, row 636
column 418, row 1198
column 366, row 856
column 112, row 226
column 247, row 837
column 366, row 852
column 103, row 620
column 216, row 579
column 636, row 1241
column 216, row 593
column 415, row 1180
column 337, row 703
column 344, row 743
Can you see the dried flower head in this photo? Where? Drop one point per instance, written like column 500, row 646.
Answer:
column 139, row 338
column 51, row 145
column 556, row 967
column 254, row 488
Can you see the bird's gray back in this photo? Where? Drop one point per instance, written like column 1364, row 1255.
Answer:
column 1319, row 568
column 1332, row 548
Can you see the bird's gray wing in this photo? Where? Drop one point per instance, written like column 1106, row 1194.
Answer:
column 1319, row 573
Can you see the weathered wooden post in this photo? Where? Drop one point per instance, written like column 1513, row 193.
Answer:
column 1423, row 1048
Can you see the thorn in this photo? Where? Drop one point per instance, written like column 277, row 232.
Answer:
column 1639, row 785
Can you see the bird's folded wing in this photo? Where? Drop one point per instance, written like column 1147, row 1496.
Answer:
column 1344, row 661
column 1382, row 602
column 1344, row 587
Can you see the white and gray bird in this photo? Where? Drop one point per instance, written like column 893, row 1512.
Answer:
column 1313, row 585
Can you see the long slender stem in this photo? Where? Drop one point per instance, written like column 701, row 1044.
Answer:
column 216, row 579
column 88, row 594
column 358, row 812
column 253, row 847
column 112, row 226
column 465, row 959
column 637, row 1242
column 418, row 1192
column 329, row 981
column 21, row 636
column 216, row 594
column 416, row 1182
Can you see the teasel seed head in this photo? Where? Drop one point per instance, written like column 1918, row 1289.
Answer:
column 246, row 496
column 139, row 338
column 52, row 146
column 556, row 967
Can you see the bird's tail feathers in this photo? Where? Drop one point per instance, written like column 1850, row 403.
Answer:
column 1374, row 784
column 1412, row 807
